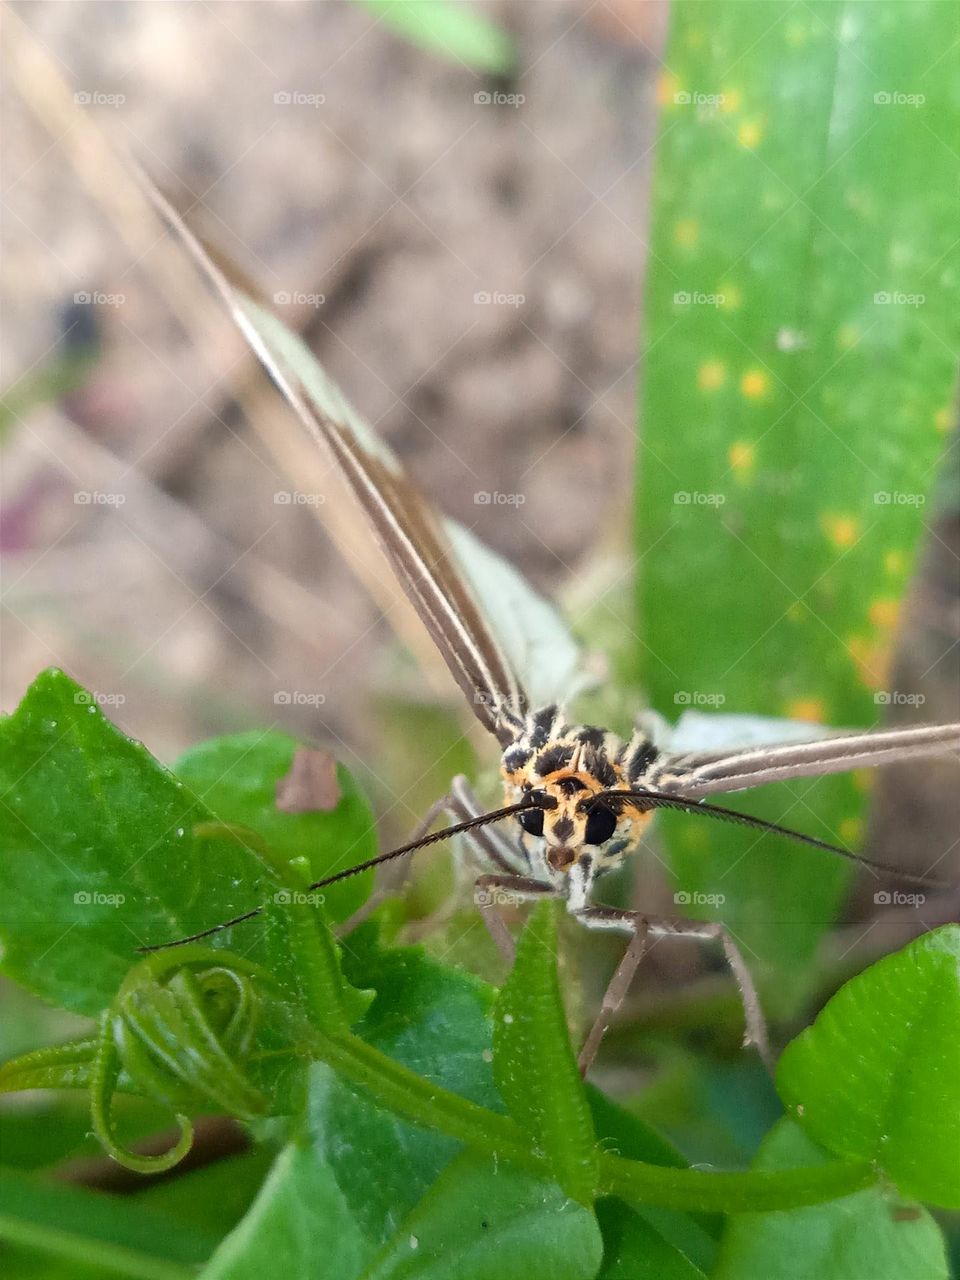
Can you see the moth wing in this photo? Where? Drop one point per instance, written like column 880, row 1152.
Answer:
column 699, row 774
column 487, row 622
column 533, row 635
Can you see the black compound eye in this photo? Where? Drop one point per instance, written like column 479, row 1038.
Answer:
column 601, row 824
column 532, row 819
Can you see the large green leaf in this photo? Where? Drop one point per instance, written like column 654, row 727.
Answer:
column 297, row 1227
column 871, row 1234
column 104, row 850
column 479, row 1222
column 877, row 1076
column 800, row 359
column 634, row 1250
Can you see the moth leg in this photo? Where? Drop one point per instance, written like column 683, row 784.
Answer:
column 615, row 994
column 492, row 892
column 497, row 849
column 635, row 922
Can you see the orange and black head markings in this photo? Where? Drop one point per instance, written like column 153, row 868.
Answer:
column 569, row 765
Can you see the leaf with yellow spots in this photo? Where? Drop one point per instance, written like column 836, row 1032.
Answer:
column 802, row 419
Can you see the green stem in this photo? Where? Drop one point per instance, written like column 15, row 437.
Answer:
column 693, row 1190
column 750, row 1191
column 431, row 1106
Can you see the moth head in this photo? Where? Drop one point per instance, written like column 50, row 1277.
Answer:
column 569, row 826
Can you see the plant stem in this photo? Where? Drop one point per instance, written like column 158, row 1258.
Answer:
column 693, row 1190
column 427, row 1104
column 749, row 1191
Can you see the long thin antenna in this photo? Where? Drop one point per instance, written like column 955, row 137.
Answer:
column 495, row 815
column 659, row 800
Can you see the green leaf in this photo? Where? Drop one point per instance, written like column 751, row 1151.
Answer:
column 872, row 1233
column 88, row 1227
column 434, row 1020
column 481, row 1222
column 104, row 850
column 237, row 777
column 876, row 1076
column 533, row 1061
column 771, row 568
column 634, row 1250
column 449, row 29
column 297, row 1226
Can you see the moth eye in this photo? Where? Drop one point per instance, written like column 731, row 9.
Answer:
column 601, row 824
column 532, row 819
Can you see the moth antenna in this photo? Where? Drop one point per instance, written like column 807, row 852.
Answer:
column 484, row 819
column 659, row 800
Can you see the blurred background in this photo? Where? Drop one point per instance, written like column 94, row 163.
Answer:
column 457, row 223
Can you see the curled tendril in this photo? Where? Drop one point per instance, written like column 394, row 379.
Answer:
column 103, row 1084
column 181, row 1029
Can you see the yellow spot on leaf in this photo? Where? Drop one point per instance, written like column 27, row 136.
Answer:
column 871, row 660
column 749, row 134
column 711, row 375
column 741, row 456
column 863, row 779
column 668, row 86
column 797, row 611
column 732, row 98
column 842, row 531
column 884, row 613
column 687, row 232
column 732, row 297
column 809, row 709
column 754, row 384
column 797, row 34
column 943, row 419
column 895, row 562
column 851, row 830
column 848, row 335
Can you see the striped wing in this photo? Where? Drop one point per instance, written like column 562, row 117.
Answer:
column 456, row 584
column 706, row 773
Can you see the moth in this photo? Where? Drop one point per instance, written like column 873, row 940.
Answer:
column 577, row 797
